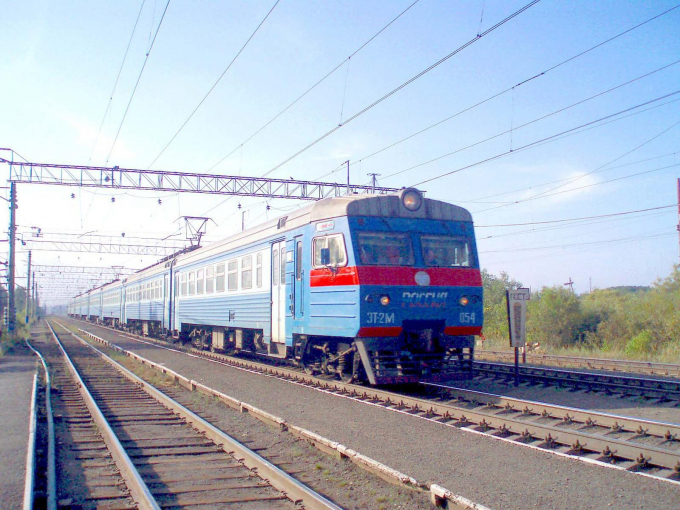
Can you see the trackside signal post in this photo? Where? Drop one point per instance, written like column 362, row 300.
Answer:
column 517, row 312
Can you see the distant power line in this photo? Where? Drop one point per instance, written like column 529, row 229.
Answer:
column 403, row 85
column 577, row 219
column 213, row 86
column 258, row 131
column 146, row 59
column 115, row 84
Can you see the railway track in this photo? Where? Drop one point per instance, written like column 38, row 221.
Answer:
column 127, row 445
column 664, row 390
column 645, row 447
column 613, row 365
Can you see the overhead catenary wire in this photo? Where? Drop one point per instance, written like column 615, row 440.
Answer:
column 115, row 84
column 479, row 200
column 508, row 89
column 536, row 142
column 578, row 219
column 200, row 103
column 542, row 117
column 319, row 82
column 402, row 86
column 134, row 90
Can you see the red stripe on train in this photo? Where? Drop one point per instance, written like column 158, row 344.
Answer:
column 381, row 275
column 379, row 331
column 462, row 330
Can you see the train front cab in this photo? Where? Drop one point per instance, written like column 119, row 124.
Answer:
column 407, row 290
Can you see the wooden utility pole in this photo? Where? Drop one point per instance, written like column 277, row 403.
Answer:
column 570, row 284
column 678, row 216
column 11, row 314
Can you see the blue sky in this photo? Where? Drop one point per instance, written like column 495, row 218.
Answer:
column 60, row 62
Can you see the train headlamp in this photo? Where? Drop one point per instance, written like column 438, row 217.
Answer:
column 384, row 300
column 463, row 301
column 412, row 199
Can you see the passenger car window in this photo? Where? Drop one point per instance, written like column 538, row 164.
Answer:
column 192, row 283
column 219, row 279
column 232, row 279
column 209, row 279
column 258, row 270
column 298, row 260
column 275, row 267
column 385, row 249
column 283, row 266
column 247, row 272
column 183, row 279
column 446, row 251
column 335, row 244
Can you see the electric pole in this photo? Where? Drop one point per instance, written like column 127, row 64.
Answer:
column 374, row 181
column 28, row 289
column 570, row 284
column 11, row 315
column 35, row 296
column 679, row 216
column 348, row 188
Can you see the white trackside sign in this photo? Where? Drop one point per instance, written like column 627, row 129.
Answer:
column 517, row 312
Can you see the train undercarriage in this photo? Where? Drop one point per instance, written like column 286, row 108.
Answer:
column 416, row 355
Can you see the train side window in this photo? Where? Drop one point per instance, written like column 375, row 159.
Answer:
column 183, row 279
column 275, row 268
column 232, row 275
column 199, row 281
column 298, row 260
column 192, row 283
column 258, row 270
column 247, row 272
column 219, row 279
column 209, row 279
column 176, row 285
column 283, row 266
column 336, row 246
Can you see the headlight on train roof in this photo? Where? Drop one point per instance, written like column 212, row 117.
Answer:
column 385, row 300
column 412, row 199
column 463, row 301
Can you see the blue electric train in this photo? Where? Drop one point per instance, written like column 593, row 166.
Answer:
column 378, row 288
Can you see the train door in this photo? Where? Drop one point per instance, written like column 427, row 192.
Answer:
column 278, row 273
column 298, row 279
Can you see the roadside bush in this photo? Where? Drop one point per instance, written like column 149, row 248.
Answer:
column 640, row 344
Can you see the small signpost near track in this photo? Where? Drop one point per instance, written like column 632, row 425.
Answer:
column 517, row 312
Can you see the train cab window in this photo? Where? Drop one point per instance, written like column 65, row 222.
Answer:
column 183, row 279
column 192, row 283
column 385, row 249
column 247, row 272
column 209, row 279
column 232, row 277
column 446, row 251
column 275, row 268
column 298, row 260
column 258, row 270
column 199, row 282
column 219, row 279
column 336, row 246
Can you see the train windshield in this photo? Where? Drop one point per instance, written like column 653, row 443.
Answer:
column 446, row 251
column 385, row 249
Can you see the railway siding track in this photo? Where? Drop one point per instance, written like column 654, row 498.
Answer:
column 665, row 390
column 177, row 459
column 641, row 446
column 613, row 365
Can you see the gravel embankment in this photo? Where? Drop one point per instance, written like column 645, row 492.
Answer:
column 490, row 472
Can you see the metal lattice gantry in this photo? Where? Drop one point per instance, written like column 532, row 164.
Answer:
column 110, row 247
column 158, row 180
column 104, row 271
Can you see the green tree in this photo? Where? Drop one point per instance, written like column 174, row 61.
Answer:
column 495, row 306
column 554, row 317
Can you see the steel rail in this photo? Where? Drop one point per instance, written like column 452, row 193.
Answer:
column 655, row 388
column 278, row 478
column 138, row 489
column 613, row 365
column 29, row 482
column 51, row 456
column 602, row 449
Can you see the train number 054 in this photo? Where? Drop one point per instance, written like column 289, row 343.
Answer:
column 467, row 317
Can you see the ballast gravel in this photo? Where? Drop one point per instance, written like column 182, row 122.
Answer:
column 487, row 471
